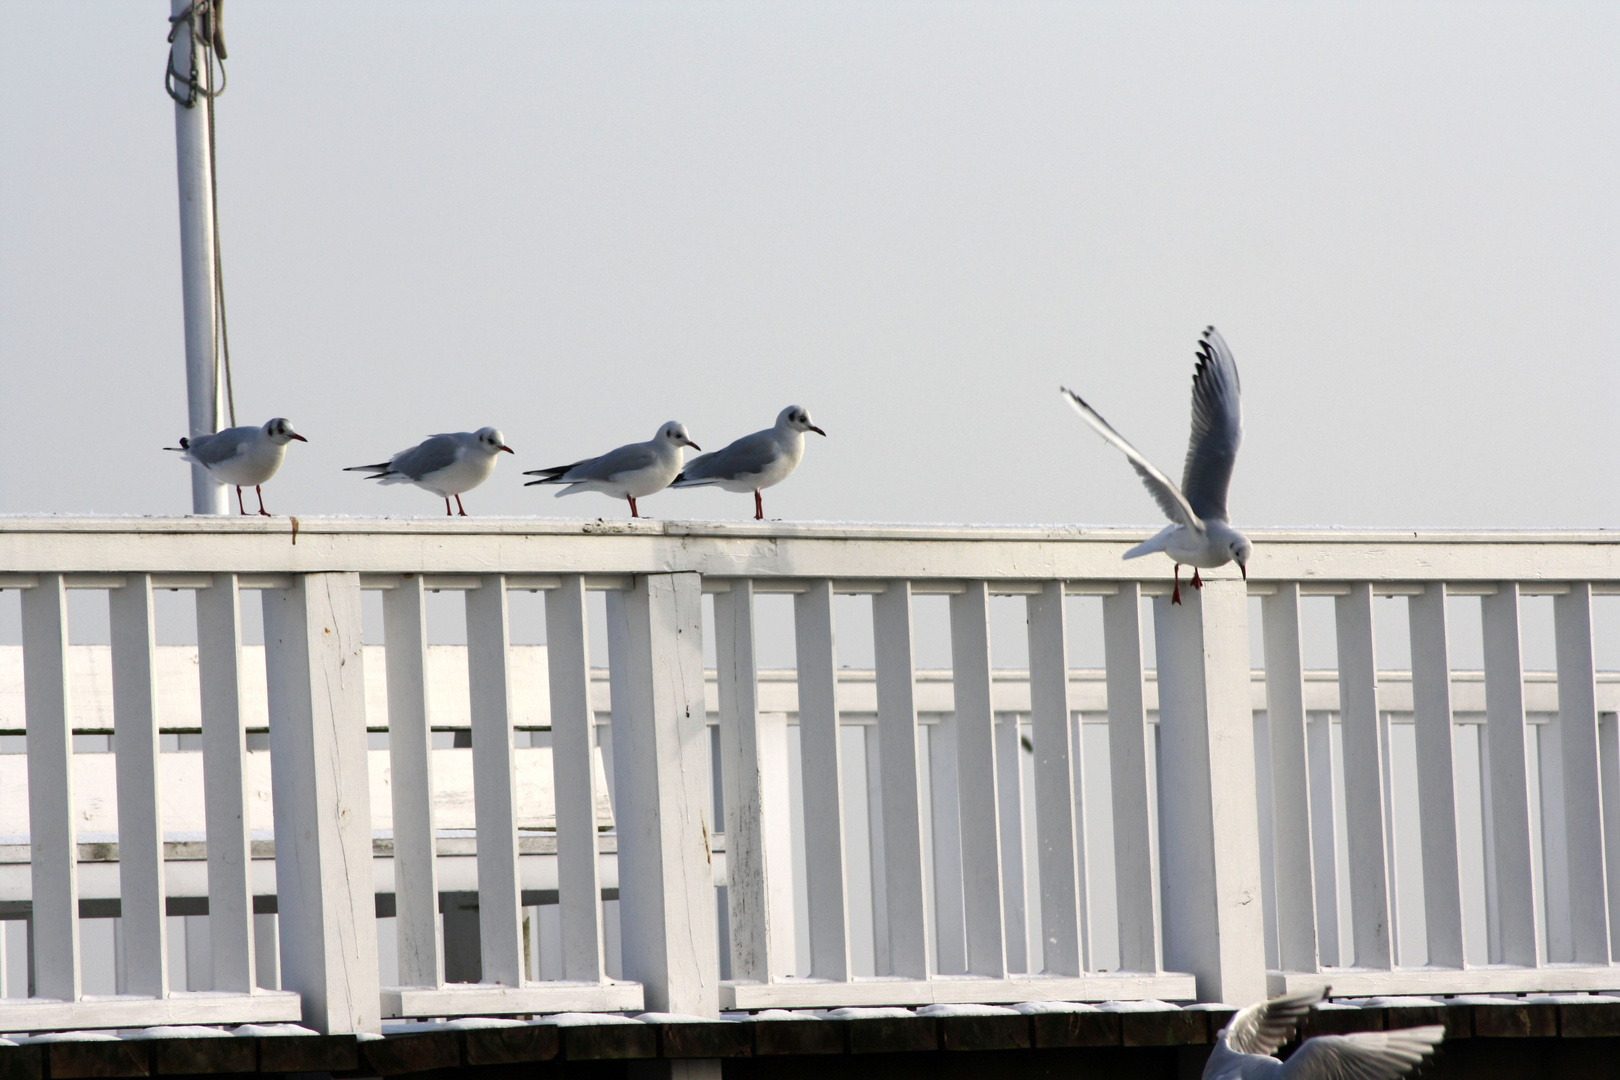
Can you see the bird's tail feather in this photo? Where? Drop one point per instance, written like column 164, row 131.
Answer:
column 380, row 467
column 1148, row 547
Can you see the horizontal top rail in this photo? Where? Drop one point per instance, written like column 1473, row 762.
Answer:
column 190, row 547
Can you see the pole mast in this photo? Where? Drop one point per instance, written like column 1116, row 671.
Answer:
column 188, row 82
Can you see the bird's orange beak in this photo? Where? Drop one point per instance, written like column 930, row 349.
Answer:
column 508, row 449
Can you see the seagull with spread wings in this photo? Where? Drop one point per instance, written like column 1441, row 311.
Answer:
column 1199, row 534
column 1247, row 1047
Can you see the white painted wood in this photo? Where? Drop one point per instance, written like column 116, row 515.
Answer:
column 1209, row 827
column 485, row 999
column 327, row 911
column 823, row 784
column 660, row 753
column 500, row 908
column 266, row 953
column 1582, row 803
column 1293, row 866
column 1136, row 860
column 1324, row 840
column 140, row 833
column 1370, row 905
column 578, row 872
column 950, row 933
column 876, row 859
column 822, row 994
column 1547, row 828
column 1426, row 981
column 1609, row 775
column 1010, row 796
column 1509, row 806
column 906, row 908
column 410, row 759
column 1437, row 802
column 205, row 1007
column 976, row 782
column 1059, row 772
column 52, row 848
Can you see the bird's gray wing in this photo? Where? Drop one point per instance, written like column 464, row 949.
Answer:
column 1217, row 428
column 748, row 456
column 426, row 458
column 613, row 463
column 1366, row 1055
column 1160, row 486
column 1264, row 1026
column 214, row 449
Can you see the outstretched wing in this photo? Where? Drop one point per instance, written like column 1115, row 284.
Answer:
column 427, row 458
column 748, row 456
column 1217, row 428
column 1367, row 1055
column 1164, row 492
column 1264, row 1026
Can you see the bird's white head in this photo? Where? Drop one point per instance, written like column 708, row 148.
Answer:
column 1240, row 549
column 675, row 432
column 491, row 441
column 280, row 432
column 794, row 418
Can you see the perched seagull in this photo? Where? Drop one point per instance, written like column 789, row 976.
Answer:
column 1200, row 535
column 631, row 472
column 1246, row 1048
column 444, row 464
column 241, row 456
column 754, row 462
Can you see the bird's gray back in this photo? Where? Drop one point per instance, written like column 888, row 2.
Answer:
column 747, row 456
column 613, row 463
column 1217, row 428
column 438, row 452
column 222, row 446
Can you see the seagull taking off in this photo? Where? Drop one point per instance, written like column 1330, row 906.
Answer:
column 631, row 472
column 1199, row 535
column 1246, row 1048
column 754, row 462
column 446, row 464
column 241, row 456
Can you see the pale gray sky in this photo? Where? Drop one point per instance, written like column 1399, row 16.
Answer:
column 576, row 221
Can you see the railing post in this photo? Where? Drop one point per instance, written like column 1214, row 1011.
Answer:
column 1295, row 876
column 1136, row 866
column 660, row 760
column 904, row 892
column 1209, row 826
column 822, row 770
column 976, row 782
column 319, row 779
column 1507, row 780
column 1437, row 798
column 1583, row 793
column 1370, row 887
column 1060, row 829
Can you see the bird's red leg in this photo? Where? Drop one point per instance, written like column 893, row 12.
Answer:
column 1175, row 597
column 459, row 507
column 260, row 493
column 633, row 511
column 239, row 505
column 447, row 511
column 759, row 507
column 1197, row 582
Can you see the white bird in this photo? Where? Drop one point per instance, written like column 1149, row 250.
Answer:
column 630, row 472
column 241, row 456
column 446, row 464
column 1246, row 1048
column 754, row 462
column 1199, row 535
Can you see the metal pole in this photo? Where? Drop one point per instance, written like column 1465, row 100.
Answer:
column 197, row 264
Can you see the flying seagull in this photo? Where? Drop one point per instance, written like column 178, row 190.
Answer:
column 631, row 472
column 241, row 456
column 446, row 464
column 1246, row 1048
column 1199, row 535
column 754, row 462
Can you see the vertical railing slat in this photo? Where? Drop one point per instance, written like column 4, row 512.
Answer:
column 1324, row 837
column 877, row 859
column 500, row 910
column 823, row 785
column 1294, row 872
column 976, row 781
column 53, row 850
column 1010, row 795
column 1059, row 826
column 1509, row 804
column 579, row 883
column 1437, row 800
column 1608, row 747
column 1136, row 863
column 945, row 811
column 907, row 910
column 1583, row 791
column 410, row 757
column 1363, row 779
column 140, row 817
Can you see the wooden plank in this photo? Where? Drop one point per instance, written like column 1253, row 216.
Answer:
column 579, row 885
column 1355, row 982
column 1582, row 787
column 1437, row 801
column 823, row 785
column 906, row 914
column 950, row 933
column 204, row 1007
column 500, row 908
column 1294, row 870
column 1509, row 807
column 976, row 782
column 484, row 999
column 876, row 859
column 1609, row 774
column 319, row 780
column 1010, row 796
column 1102, row 986
column 1363, row 779
column 410, row 760
column 140, row 832
column 1136, row 861
column 53, row 851
column 1059, row 824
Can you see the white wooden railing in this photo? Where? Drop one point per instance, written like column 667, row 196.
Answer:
column 1224, row 872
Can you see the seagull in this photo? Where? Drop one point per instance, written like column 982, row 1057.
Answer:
column 1199, row 535
column 631, row 472
column 445, row 464
column 754, row 462
column 1246, row 1048
column 241, row 456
